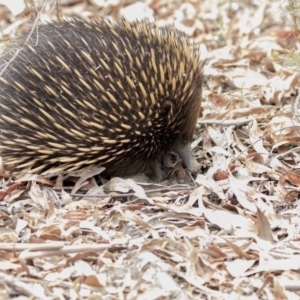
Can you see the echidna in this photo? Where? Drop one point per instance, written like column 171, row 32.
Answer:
column 115, row 94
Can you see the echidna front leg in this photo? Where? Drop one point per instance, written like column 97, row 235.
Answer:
column 158, row 174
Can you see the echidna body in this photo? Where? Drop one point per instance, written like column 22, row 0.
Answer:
column 115, row 94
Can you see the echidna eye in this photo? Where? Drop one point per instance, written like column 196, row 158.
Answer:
column 167, row 108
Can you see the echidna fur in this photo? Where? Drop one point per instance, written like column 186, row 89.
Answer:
column 115, row 94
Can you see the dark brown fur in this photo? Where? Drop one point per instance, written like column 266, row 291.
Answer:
column 115, row 94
